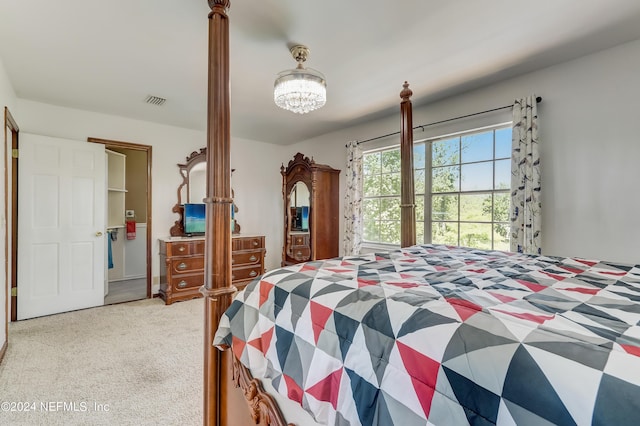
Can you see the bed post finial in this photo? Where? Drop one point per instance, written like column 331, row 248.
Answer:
column 406, row 93
column 219, row 3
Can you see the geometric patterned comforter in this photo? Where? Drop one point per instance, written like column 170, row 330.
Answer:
column 446, row 336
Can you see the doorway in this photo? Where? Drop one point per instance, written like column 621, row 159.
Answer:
column 13, row 214
column 129, row 273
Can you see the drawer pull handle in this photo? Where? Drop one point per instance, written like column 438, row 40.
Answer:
column 233, row 260
column 253, row 258
column 255, row 244
column 181, row 248
column 253, row 274
column 299, row 253
column 182, row 284
column 233, row 277
column 182, row 266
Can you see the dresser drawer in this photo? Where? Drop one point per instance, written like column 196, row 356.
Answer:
column 301, row 253
column 246, row 258
column 246, row 273
column 247, row 243
column 187, row 282
column 185, row 248
column 186, row 265
column 300, row 240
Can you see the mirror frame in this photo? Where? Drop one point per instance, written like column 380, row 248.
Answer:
column 194, row 158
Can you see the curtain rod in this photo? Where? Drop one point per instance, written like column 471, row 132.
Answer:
column 422, row 126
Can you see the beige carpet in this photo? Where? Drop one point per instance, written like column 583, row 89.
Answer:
column 137, row 363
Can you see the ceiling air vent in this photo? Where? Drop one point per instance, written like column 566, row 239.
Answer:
column 155, row 100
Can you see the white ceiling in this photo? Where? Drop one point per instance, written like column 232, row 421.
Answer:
column 107, row 56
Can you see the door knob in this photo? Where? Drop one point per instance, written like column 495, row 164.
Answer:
column 98, row 234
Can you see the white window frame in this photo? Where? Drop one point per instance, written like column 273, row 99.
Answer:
column 428, row 196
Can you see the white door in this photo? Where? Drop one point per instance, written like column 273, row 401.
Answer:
column 61, row 226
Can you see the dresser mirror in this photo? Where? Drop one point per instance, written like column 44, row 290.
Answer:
column 193, row 189
column 299, row 207
column 298, row 222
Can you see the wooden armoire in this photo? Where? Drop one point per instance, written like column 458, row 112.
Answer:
column 311, row 211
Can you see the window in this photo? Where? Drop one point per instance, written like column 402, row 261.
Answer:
column 462, row 187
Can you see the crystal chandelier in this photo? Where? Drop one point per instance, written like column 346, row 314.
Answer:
column 301, row 89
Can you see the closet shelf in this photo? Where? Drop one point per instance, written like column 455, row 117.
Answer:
column 117, row 189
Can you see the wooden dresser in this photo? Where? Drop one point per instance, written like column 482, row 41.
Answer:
column 182, row 265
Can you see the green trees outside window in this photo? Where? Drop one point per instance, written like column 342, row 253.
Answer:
column 462, row 187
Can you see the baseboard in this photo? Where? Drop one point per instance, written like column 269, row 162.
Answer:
column 3, row 350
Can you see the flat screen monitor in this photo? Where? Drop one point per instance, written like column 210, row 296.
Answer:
column 304, row 218
column 194, row 219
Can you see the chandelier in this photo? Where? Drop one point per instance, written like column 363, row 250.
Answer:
column 300, row 90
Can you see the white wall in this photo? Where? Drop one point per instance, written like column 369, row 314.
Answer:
column 589, row 141
column 7, row 99
column 255, row 165
column 257, row 185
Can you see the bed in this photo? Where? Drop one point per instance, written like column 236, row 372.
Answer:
column 449, row 335
column 422, row 335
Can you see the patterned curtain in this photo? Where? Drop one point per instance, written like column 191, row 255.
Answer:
column 353, row 201
column 526, row 217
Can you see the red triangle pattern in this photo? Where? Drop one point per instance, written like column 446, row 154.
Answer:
column 464, row 308
column 526, row 316
column 307, row 267
column 477, row 271
column 319, row 316
column 294, row 392
column 238, row 345
column 402, row 285
column 423, row 372
column 363, row 283
column 586, row 262
column 616, row 274
column 532, row 286
column 633, row 350
column 582, row 290
column 501, row 297
column 571, row 269
column 345, row 263
column 338, row 271
column 554, row 276
column 266, row 340
column 262, row 343
column 265, row 290
column 327, row 389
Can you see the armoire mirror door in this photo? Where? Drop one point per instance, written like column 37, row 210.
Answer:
column 298, row 242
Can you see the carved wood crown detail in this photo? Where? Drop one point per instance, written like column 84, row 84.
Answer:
column 195, row 154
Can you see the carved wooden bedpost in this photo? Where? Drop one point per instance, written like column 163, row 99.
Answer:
column 217, row 288
column 407, row 197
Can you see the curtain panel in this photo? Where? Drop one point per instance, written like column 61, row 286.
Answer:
column 526, row 211
column 353, row 201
